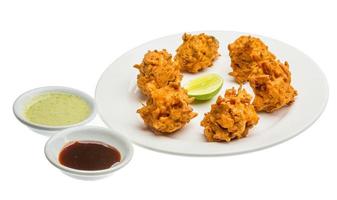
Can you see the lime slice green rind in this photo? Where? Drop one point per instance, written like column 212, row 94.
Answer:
column 204, row 87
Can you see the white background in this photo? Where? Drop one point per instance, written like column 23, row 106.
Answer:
column 70, row 43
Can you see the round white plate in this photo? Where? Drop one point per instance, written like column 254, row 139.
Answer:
column 118, row 98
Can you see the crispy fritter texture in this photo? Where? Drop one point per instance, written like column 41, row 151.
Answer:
column 167, row 110
column 270, row 79
column 230, row 118
column 197, row 52
column 245, row 52
column 157, row 70
column 271, row 83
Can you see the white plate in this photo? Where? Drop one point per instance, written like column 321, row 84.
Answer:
column 118, row 98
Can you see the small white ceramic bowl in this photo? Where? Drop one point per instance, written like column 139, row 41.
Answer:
column 21, row 102
column 88, row 133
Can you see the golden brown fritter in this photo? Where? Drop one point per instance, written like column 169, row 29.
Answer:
column 230, row 118
column 157, row 70
column 270, row 79
column 167, row 110
column 271, row 83
column 245, row 52
column 197, row 52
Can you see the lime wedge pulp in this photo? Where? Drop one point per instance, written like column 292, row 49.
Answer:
column 204, row 87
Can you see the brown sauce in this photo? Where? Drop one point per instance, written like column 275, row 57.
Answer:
column 86, row 155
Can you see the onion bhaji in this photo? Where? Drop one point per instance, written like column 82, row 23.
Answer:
column 270, row 79
column 230, row 117
column 167, row 110
column 270, row 82
column 245, row 52
column 197, row 52
column 157, row 70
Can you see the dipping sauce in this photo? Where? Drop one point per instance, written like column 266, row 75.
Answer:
column 86, row 155
column 57, row 109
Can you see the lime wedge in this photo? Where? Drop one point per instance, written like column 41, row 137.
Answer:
column 204, row 87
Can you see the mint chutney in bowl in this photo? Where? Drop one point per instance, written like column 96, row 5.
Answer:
column 51, row 109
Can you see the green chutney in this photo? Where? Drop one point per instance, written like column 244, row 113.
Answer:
column 57, row 109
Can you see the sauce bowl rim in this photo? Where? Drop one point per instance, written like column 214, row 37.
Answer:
column 126, row 156
column 51, row 89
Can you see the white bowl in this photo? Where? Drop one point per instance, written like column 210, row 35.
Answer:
column 88, row 133
column 21, row 102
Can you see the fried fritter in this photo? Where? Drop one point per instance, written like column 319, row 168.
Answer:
column 167, row 110
column 271, row 83
column 270, row 79
column 245, row 52
column 197, row 52
column 230, row 118
column 157, row 70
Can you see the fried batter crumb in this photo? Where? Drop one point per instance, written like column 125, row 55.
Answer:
column 197, row 52
column 270, row 82
column 167, row 110
column 157, row 70
column 230, row 117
